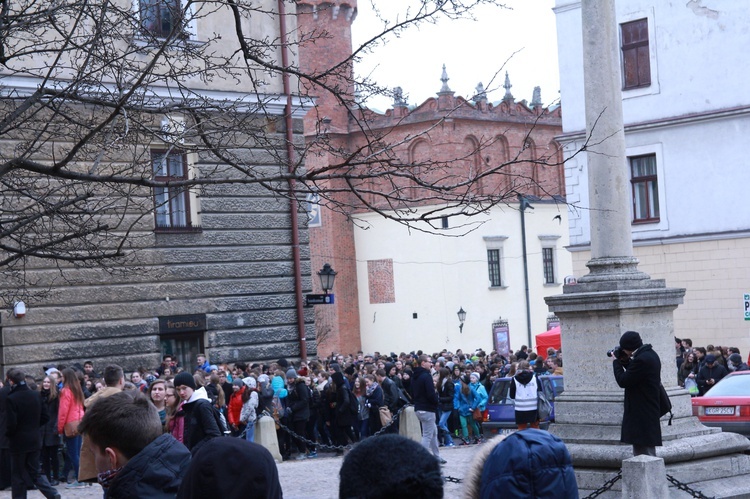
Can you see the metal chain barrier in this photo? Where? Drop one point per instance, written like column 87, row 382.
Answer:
column 336, row 448
column 686, row 488
column 607, row 485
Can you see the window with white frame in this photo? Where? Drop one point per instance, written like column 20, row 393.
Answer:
column 549, row 257
column 645, row 186
column 172, row 204
column 493, row 266
column 159, row 18
column 495, row 271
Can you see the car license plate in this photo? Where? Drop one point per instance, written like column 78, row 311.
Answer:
column 724, row 411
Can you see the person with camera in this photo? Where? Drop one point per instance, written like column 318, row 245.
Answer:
column 637, row 369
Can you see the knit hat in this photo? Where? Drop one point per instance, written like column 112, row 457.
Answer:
column 631, row 341
column 184, row 379
column 405, row 469
column 474, row 375
column 291, row 374
column 238, row 382
column 735, row 359
column 251, row 472
column 249, row 382
column 263, row 378
column 449, row 365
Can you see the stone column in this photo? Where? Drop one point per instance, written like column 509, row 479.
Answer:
column 609, row 180
column 615, row 297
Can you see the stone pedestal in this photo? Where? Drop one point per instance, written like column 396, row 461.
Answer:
column 594, row 314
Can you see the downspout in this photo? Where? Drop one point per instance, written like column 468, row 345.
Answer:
column 525, row 204
column 293, row 206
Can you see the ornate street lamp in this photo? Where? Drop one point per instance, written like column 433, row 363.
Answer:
column 462, row 318
column 327, row 275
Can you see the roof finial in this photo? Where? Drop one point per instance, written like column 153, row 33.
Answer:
column 444, row 78
column 508, row 96
column 536, row 99
column 398, row 98
column 480, row 95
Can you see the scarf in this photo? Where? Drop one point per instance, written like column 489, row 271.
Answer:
column 105, row 478
column 371, row 388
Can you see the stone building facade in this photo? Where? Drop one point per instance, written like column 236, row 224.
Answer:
column 226, row 279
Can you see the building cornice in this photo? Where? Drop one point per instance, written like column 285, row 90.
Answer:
column 667, row 122
column 272, row 104
column 687, row 238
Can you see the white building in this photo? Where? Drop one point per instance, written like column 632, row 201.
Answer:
column 686, row 115
column 412, row 284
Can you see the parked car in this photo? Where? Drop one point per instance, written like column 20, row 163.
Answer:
column 500, row 413
column 727, row 404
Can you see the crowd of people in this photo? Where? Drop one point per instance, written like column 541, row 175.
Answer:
column 324, row 404
column 700, row 368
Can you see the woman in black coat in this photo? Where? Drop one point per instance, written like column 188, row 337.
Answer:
column 446, row 390
column 50, row 437
column 342, row 415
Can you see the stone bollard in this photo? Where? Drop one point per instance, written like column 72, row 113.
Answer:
column 644, row 477
column 265, row 435
column 409, row 426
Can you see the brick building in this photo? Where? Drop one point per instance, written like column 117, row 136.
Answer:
column 378, row 294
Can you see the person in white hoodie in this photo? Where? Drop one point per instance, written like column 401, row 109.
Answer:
column 248, row 414
column 201, row 420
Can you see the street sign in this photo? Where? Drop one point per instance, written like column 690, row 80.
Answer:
column 747, row 306
column 318, row 299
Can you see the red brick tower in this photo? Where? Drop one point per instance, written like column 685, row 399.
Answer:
column 325, row 31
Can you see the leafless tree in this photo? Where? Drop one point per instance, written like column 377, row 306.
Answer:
column 89, row 89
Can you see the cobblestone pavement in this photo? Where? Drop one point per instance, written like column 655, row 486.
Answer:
column 318, row 478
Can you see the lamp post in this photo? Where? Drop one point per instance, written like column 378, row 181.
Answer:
column 327, row 275
column 461, row 318
column 525, row 204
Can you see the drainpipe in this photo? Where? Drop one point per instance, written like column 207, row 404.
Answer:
column 525, row 204
column 293, row 206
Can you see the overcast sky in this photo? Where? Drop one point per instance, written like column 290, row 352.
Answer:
column 520, row 39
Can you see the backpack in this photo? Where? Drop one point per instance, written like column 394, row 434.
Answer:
column 221, row 421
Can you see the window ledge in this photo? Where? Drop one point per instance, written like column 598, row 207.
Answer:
column 150, row 42
column 179, row 230
column 552, row 284
column 648, row 221
column 496, row 287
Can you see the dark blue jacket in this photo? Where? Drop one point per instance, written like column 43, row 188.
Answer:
column 155, row 472
column 423, row 393
column 529, row 463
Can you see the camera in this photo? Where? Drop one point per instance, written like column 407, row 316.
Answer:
column 615, row 353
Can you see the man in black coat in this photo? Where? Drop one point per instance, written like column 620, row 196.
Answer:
column 638, row 371
column 426, row 401
column 26, row 414
column 4, row 446
column 200, row 421
column 709, row 374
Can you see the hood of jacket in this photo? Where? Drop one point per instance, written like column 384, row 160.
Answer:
column 155, row 472
column 524, row 377
column 198, row 394
column 529, row 463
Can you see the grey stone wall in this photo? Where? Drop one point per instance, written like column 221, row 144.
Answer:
column 238, row 271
